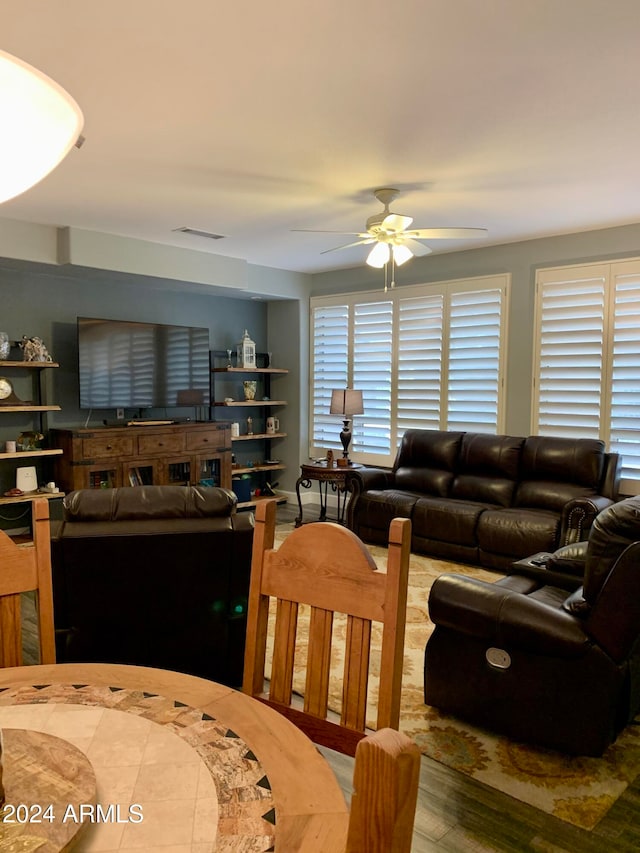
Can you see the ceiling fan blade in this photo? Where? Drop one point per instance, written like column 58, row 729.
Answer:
column 446, row 233
column 396, row 222
column 349, row 245
column 324, row 231
column 418, row 249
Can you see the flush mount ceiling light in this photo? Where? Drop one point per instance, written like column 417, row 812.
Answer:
column 395, row 242
column 40, row 122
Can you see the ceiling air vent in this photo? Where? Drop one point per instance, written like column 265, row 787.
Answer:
column 198, row 233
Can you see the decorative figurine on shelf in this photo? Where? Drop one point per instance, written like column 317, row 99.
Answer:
column 33, row 349
column 329, row 458
column 246, row 352
column 250, row 387
column 28, row 441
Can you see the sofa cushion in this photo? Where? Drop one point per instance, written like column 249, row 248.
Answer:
column 554, row 471
column 377, row 508
column 427, row 460
column 447, row 520
column 521, row 531
column 488, row 468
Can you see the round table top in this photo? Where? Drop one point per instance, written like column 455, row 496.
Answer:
column 299, row 804
column 320, row 470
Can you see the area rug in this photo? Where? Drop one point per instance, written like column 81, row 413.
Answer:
column 578, row 790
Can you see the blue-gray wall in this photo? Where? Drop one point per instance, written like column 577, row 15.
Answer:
column 44, row 301
column 44, row 298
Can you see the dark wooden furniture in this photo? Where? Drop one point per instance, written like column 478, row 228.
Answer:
column 161, row 455
column 255, row 445
column 335, row 477
column 31, row 388
column 326, row 567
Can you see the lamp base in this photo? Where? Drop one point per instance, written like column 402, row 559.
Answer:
column 345, row 437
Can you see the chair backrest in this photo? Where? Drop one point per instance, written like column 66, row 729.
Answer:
column 385, row 790
column 326, row 567
column 613, row 530
column 27, row 568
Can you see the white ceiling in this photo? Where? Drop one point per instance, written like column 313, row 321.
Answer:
column 251, row 119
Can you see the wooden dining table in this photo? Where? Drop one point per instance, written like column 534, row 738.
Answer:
column 186, row 761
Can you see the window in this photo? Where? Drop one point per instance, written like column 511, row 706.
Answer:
column 429, row 356
column 587, row 381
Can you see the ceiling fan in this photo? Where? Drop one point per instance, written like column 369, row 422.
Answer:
column 394, row 240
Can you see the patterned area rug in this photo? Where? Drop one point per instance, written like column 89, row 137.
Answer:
column 578, row 790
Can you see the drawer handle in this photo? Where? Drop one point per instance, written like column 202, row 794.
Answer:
column 160, row 444
column 109, row 447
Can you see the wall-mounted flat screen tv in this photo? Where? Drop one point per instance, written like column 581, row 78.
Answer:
column 125, row 364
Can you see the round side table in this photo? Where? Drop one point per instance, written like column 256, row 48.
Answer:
column 335, row 477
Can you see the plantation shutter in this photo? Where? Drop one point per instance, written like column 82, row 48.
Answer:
column 372, row 374
column 419, row 387
column 475, row 324
column 330, row 340
column 588, row 376
column 426, row 357
column 571, row 351
column 624, row 434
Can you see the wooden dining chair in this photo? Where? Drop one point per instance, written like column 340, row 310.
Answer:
column 27, row 568
column 385, row 791
column 326, row 567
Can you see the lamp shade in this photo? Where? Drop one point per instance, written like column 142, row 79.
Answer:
column 379, row 255
column 346, row 402
column 401, row 254
column 40, row 123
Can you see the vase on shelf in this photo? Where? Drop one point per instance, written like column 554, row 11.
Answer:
column 5, row 346
column 250, row 387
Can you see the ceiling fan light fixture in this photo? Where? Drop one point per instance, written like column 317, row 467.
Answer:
column 379, row 255
column 41, row 123
column 401, row 254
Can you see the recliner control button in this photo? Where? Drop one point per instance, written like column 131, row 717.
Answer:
column 498, row 658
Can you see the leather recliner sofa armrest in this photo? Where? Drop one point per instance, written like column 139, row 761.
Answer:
column 364, row 479
column 578, row 515
column 505, row 618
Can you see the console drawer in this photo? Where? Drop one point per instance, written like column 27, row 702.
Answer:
column 105, row 447
column 206, row 440
column 169, row 443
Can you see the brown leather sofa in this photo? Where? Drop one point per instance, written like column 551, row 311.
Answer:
column 485, row 499
column 155, row 576
column 556, row 668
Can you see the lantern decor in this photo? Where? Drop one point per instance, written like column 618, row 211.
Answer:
column 246, row 352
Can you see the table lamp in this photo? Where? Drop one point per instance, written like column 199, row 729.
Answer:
column 346, row 402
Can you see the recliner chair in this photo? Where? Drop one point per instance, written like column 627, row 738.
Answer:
column 154, row 576
column 528, row 659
